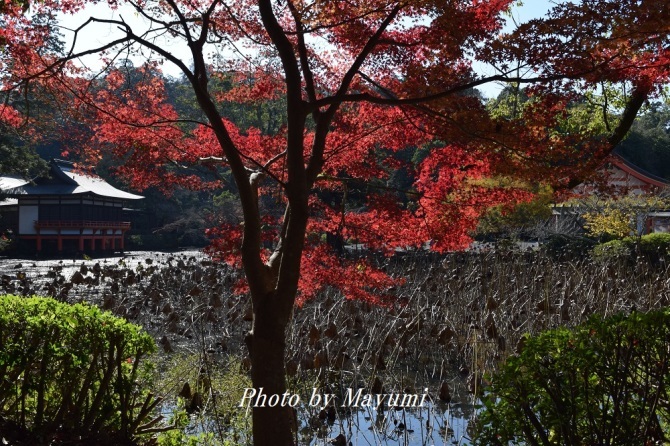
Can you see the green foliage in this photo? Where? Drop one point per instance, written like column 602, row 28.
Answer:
column 19, row 159
column 206, row 412
column 227, row 208
column 595, row 113
column 268, row 115
column 605, row 382
column 651, row 246
column 612, row 250
column 520, row 221
column 591, row 114
column 180, row 437
column 648, row 145
column 564, row 246
column 655, row 244
column 510, row 103
column 73, row 370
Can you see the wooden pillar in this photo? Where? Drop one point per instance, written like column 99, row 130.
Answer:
column 81, row 243
column 60, row 243
column 39, row 243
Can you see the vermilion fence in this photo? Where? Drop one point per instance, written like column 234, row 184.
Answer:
column 81, row 224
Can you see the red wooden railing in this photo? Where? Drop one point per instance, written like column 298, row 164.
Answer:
column 82, row 224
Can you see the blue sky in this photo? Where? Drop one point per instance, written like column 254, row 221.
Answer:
column 533, row 8
column 102, row 33
column 530, row 9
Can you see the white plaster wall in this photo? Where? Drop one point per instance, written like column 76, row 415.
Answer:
column 27, row 217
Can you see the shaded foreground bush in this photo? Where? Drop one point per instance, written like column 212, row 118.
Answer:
column 203, row 395
column 604, row 382
column 71, row 371
column 652, row 246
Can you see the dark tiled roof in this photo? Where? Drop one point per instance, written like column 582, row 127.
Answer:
column 65, row 179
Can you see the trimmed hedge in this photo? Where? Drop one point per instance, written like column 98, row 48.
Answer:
column 605, row 382
column 655, row 244
column 615, row 249
column 72, row 371
column 652, row 246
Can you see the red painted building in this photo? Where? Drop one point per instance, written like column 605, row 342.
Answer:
column 617, row 178
column 70, row 210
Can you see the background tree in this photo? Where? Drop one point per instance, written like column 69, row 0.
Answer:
column 21, row 108
column 353, row 78
column 17, row 158
column 620, row 217
column 648, row 145
column 525, row 221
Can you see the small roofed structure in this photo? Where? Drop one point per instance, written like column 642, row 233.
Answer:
column 70, row 210
column 622, row 177
column 617, row 178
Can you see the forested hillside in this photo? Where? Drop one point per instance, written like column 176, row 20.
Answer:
column 648, row 145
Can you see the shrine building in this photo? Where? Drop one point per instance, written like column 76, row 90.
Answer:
column 69, row 210
column 617, row 178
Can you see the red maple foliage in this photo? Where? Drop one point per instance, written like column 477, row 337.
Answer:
column 9, row 116
column 360, row 81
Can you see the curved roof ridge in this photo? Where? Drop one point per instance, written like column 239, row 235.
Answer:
column 66, row 180
column 637, row 171
column 90, row 182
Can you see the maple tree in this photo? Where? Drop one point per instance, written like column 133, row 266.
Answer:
column 358, row 82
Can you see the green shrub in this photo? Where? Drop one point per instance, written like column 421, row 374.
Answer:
column 613, row 250
column 651, row 246
column 215, row 386
column 561, row 246
column 605, row 382
column 655, row 244
column 73, row 371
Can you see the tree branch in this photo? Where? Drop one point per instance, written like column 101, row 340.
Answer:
column 325, row 119
column 304, row 60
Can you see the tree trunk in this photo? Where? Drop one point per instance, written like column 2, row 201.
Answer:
column 271, row 425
